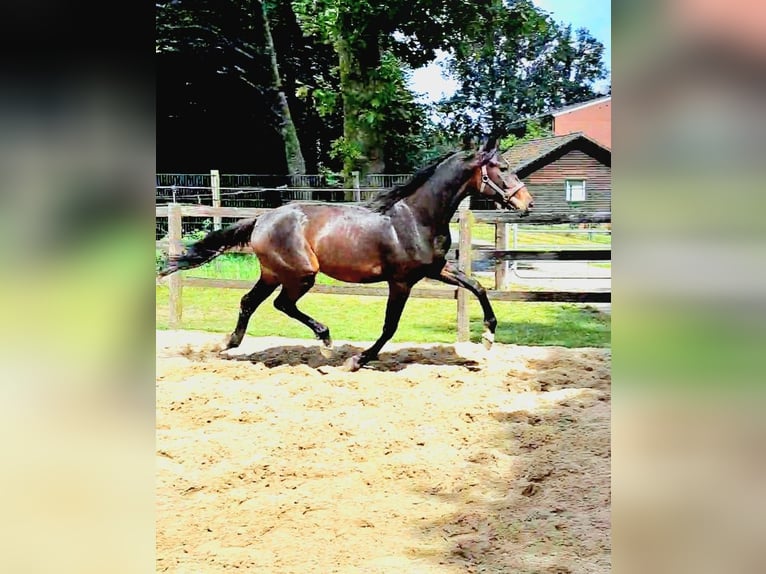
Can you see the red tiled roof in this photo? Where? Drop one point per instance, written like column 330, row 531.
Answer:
column 525, row 153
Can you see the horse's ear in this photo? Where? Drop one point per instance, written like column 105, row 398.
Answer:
column 489, row 149
column 491, row 144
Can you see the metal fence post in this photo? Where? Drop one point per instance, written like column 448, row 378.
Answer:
column 465, row 219
column 357, row 190
column 501, row 244
column 215, row 185
column 512, row 264
column 175, row 281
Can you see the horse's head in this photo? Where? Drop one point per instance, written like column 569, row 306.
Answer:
column 492, row 178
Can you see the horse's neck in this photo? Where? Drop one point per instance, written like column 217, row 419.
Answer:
column 435, row 203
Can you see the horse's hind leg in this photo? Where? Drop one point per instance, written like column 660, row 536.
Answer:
column 247, row 307
column 285, row 302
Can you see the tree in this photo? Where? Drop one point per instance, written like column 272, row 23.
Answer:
column 227, row 42
column 373, row 40
column 295, row 161
column 517, row 62
column 570, row 68
column 533, row 130
column 306, row 65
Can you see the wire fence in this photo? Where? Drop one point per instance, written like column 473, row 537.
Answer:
column 330, row 179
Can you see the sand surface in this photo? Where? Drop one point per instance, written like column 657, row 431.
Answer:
column 438, row 458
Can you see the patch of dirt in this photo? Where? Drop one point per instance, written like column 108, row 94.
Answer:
column 438, row 458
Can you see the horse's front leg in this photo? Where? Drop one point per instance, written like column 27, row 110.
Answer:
column 451, row 275
column 398, row 293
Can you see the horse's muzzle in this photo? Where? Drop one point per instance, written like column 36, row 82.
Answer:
column 504, row 200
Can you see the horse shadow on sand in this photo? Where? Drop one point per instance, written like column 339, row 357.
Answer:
column 396, row 360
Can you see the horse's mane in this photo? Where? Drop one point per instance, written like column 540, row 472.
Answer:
column 386, row 199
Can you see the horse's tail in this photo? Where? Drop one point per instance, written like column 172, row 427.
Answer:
column 210, row 246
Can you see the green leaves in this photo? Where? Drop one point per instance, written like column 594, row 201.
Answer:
column 519, row 63
column 534, row 130
column 345, row 150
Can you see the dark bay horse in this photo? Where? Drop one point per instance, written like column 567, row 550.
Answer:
column 400, row 236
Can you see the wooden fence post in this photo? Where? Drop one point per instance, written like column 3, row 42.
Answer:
column 465, row 219
column 175, row 281
column 215, row 185
column 501, row 244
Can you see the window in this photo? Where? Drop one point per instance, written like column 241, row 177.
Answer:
column 575, row 190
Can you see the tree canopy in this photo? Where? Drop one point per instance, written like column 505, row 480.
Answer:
column 278, row 86
column 515, row 63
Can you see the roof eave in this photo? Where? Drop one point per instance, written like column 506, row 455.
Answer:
column 597, row 151
column 575, row 107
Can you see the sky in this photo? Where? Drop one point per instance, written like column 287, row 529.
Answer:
column 595, row 15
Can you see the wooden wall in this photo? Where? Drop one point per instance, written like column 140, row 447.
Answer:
column 548, row 186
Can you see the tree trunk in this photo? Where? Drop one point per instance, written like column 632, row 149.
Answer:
column 356, row 87
column 295, row 161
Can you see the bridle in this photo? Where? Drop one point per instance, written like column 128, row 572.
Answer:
column 506, row 195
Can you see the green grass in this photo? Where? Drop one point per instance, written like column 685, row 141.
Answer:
column 241, row 266
column 360, row 318
column 246, row 266
column 527, row 238
column 424, row 320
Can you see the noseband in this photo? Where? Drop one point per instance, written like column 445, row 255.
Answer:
column 485, row 180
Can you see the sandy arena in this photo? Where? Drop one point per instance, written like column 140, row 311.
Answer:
column 436, row 459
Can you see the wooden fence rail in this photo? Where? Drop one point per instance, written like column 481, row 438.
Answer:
column 493, row 217
column 465, row 254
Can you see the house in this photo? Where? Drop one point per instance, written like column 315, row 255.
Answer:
column 563, row 173
column 593, row 118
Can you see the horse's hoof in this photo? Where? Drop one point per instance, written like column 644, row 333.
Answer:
column 488, row 338
column 326, row 349
column 352, row 364
column 229, row 343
